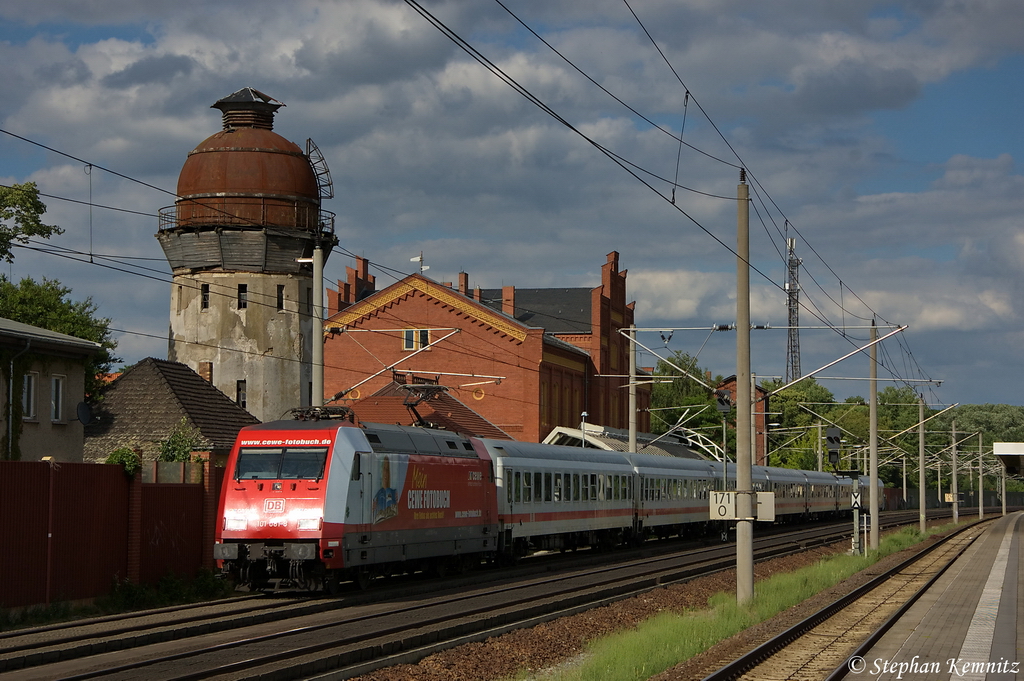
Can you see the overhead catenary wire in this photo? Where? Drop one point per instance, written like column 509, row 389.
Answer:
column 620, row 159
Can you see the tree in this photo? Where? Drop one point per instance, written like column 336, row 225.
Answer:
column 20, row 217
column 48, row 305
column 673, row 392
column 785, row 406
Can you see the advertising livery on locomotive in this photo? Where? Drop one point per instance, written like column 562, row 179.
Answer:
column 314, row 503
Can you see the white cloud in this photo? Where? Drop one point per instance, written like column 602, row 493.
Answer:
column 429, row 151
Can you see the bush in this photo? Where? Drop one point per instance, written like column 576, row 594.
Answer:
column 127, row 457
column 180, row 444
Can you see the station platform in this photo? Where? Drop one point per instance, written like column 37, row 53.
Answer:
column 969, row 625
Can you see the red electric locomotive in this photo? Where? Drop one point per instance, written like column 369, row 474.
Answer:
column 312, row 503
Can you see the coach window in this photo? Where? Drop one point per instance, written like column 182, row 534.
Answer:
column 575, row 486
column 517, row 486
column 585, row 492
column 558, row 487
column 608, row 487
column 527, row 487
column 538, row 486
column 547, row 487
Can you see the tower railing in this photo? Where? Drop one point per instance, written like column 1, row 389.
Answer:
column 251, row 211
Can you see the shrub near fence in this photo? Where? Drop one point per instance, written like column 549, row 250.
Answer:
column 69, row 530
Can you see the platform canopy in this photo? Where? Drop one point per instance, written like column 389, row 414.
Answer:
column 1012, row 456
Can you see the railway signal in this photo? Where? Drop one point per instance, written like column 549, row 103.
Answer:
column 832, row 443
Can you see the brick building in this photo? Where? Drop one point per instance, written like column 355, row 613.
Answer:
column 527, row 360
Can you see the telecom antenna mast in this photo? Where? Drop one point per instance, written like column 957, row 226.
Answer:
column 793, row 305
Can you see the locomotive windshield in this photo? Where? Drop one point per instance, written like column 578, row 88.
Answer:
column 281, row 463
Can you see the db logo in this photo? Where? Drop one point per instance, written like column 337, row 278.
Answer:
column 273, row 506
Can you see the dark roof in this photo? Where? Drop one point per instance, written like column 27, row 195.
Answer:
column 556, row 310
column 395, row 404
column 143, row 406
column 17, row 333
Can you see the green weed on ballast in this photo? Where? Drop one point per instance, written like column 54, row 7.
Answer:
column 124, row 596
column 667, row 639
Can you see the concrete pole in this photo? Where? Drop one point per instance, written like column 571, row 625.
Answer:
column 981, row 480
column 1002, row 489
column 921, row 477
column 744, row 474
column 873, row 441
column 632, row 387
column 818, row 447
column 318, row 326
column 955, row 484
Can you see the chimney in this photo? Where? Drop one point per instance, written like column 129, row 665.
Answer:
column 508, row 300
column 477, row 294
column 464, row 283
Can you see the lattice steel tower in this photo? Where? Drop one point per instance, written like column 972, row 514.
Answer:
column 793, row 304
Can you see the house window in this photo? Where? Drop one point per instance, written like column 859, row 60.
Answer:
column 57, row 398
column 280, row 297
column 240, row 394
column 28, row 396
column 180, row 294
column 243, row 296
column 204, row 296
column 414, row 339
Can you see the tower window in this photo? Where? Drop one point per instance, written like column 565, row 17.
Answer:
column 414, row 339
column 204, row 296
column 243, row 296
column 280, row 297
column 240, row 397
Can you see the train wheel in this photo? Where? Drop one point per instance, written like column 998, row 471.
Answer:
column 362, row 578
column 332, row 585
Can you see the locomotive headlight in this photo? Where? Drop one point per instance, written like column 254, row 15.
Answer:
column 235, row 524
column 309, row 523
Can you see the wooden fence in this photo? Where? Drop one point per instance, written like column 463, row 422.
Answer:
column 70, row 530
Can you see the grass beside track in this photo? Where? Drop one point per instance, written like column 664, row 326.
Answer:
column 670, row 638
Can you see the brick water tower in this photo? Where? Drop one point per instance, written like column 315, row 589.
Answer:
column 240, row 239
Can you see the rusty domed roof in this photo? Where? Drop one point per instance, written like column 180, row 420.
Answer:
column 247, row 162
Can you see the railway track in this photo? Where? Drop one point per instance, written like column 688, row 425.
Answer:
column 300, row 638
column 821, row 646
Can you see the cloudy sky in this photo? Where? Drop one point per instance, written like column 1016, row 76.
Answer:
column 883, row 137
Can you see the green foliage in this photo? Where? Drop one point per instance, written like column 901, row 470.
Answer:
column 127, row 457
column 180, row 444
column 672, row 399
column 786, row 406
column 48, row 305
column 20, row 217
column 171, row 590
